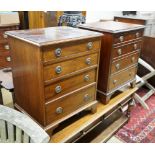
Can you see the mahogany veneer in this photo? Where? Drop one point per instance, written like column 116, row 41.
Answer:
column 54, row 72
column 121, row 45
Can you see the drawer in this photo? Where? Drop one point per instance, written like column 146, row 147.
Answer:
column 70, row 66
column 68, row 85
column 60, row 51
column 122, row 77
column 68, row 104
column 126, row 49
column 127, row 36
column 124, row 62
column 5, row 59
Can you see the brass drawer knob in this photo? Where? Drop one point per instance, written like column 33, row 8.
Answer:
column 89, row 45
column 58, row 89
column 135, row 46
column 133, row 59
column 117, row 66
column 58, row 52
column 8, row 59
column 86, row 97
column 5, row 36
column 115, row 81
column 58, row 69
column 88, row 61
column 119, row 51
column 137, row 34
column 7, row 47
column 121, row 38
column 86, row 78
column 59, row 110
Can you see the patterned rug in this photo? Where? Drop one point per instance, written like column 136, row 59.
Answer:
column 141, row 126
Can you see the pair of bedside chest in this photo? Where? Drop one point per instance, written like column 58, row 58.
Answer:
column 55, row 70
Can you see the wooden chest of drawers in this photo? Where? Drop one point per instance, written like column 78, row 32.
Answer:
column 121, row 45
column 4, row 46
column 55, row 72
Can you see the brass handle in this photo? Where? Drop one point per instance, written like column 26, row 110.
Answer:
column 7, row 47
column 88, row 61
column 58, row 52
column 133, row 59
column 89, row 45
column 117, row 66
column 119, row 51
column 8, row 59
column 86, row 97
column 121, row 38
column 58, row 89
column 86, row 78
column 58, row 69
column 59, row 110
column 137, row 34
column 114, row 82
column 5, row 36
column 135, row 46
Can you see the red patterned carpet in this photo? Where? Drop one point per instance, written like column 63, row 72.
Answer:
column 141, row 126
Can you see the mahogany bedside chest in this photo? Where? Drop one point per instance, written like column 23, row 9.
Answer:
column 4, row 46
column 120, row 49
column 55, row 72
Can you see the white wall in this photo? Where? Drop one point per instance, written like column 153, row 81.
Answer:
column 93, row 16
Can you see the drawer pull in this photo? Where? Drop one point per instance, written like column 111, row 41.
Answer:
column 5, row 36
column 58, row 69
column 88, row 61
column 133, row 59
column 86, row 78
column 7, row 47
column 114, row 82
column 58, row 52
column 58, row 89
column 86, row 97
column 137, row 34
column 117, row 66
column 89, row 45
column 119, row 51
column 8, row 59
column 59, row 110
column 121, row 38
column 135, row 46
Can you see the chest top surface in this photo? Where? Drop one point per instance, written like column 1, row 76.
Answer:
column 52, row 35
column 111, row 26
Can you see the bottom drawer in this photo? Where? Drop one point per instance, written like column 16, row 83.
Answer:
column 5, row 59
column 66, row 105
column 122, row 77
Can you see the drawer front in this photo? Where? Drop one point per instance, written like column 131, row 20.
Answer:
column 122, row 77
column 68, row 85
column 5, row 59
column 126, row 49
column 66, row 105
column 60, row 51
column 4, row 47
column 127, row 36
column 124, row 62
column 67, row 67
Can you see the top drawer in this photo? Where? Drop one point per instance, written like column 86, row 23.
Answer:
column 69, row 49
column 127, row 36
